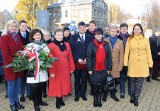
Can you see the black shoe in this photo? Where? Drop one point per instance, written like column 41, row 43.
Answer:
column 99, row 101
column 13, row 108
column 42, row 103
column 115, row 98
column 136, row 101
column 44, row 95
column 36, row 107
column 155, row 78
column 95, row 103
column 76, row 99
column 84, row 98
column 122, row 95
column 148, row 79
column 22, row 98
column 62, row 102
column 132, row 99
column 104, row 97
column 70, row 94
column 19, row 106
column 29, row 97
column 58, row 102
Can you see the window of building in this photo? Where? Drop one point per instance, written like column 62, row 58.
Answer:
column 66, row 13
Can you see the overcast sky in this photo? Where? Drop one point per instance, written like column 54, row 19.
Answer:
column 135, row 7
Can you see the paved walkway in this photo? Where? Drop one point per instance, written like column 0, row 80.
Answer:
column 149, row 101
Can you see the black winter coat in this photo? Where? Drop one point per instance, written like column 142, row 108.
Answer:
column 91, row 56
column 91, row 62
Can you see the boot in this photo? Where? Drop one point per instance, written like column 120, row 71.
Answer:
column 36, row 108
column 58, row 103
column 115, row 98
column 99, row 101
column 13, row 108
column 132, row 99
column 136, row 101
column 104, row 97
column 148, row 79
column 95, row 103
column 19, row 106
column 62, row 102
column 22, row 98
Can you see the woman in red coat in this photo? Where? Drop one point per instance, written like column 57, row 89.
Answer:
column 10, row 45
column 59, row 80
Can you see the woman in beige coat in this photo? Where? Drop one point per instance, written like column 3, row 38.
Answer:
column 138, row 59
column 117, row 50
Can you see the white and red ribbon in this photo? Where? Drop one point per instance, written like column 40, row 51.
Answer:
column 33, row 55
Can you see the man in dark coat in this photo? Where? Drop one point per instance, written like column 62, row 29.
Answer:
column 79, row 44
column 24, row 34
column 123, row 35
column 155, row 50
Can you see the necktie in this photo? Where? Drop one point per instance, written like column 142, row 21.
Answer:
column 24, row 35
column 82, row 39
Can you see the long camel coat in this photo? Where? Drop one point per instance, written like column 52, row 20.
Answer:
column 117, row 57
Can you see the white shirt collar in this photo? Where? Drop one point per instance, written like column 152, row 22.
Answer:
column 82, row 35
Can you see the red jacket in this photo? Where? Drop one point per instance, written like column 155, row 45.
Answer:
column 61, row 85
column 9, row 48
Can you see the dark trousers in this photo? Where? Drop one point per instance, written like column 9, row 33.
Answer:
column 1, row 77
column 156, row 65
column 45, row 87
column 36, row 92
column 80, row 76
column 123, row 78
column 136, row 86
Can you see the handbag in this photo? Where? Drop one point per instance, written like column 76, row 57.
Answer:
column 109, row 83
column 98, row 77
column 29, row 73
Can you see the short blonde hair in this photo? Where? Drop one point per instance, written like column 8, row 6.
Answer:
column 7, row 25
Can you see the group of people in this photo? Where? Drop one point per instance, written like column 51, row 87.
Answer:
column 90, row 55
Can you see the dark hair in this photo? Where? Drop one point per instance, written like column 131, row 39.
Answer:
column 81, row 24
column 58, row 30
column 33, row 32
column 93, row 22
column 65, row 28
column 98, row 31
column 123, row 25
column 140, row 26
column 22, row 21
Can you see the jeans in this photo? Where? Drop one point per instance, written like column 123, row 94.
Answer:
column 13, row 87
column 122, row 84
column 23, row 85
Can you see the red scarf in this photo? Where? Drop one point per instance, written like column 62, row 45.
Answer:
column 100, row 56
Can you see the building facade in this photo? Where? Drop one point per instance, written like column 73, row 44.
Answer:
column 78, row 10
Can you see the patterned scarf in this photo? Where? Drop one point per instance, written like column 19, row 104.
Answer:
column 124, row 37
column 14, row 36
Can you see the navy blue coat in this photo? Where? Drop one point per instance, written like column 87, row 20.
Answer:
column 79, row 50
